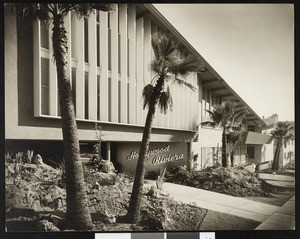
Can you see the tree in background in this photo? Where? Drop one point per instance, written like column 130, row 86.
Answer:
column 168, row 67
column 229, row 118
column 281, row 135
column 77, row 216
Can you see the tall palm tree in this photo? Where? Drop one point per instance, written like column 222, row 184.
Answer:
column 168, row 68
column 281, row 135
column 77, row 216
column 228, row 117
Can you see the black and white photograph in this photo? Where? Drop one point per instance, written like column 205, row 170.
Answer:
column 159, row 118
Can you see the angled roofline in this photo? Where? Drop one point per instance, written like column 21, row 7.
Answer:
column 170, row 27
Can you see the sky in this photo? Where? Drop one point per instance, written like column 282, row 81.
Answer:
column 251, row 46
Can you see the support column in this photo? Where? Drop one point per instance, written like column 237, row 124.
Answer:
column 79, row 34
column 108, row 151
column 103, row 67
column 123, row 61
column 92, row 97
column 139, row 70
column 132, row 63
column 114, row 66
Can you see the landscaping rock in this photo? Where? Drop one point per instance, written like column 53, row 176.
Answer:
column 46, row 226
column 13, row 212
column 37, row 159
column 240, row 182
column 250, row 168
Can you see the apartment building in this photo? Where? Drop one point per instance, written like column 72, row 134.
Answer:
column 287, row 152
column 109, row 56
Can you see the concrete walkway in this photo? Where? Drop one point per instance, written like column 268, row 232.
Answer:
column 279, row 180
column 282, row 219
column 236, row 206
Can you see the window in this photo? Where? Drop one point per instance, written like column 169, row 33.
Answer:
column 98, row 97
column 109, row 98
column 251, row 152
column 109, row 49
column 73, row 35
column 119, row 101
column 74, row 87
column 58, row 104
column 251, row 128
column 119, row 53
column 128, row 57
column 128, row 103
column 98, row 38
column 45, row 102
column 44, row 36
column 86, row 94
column 86, row 40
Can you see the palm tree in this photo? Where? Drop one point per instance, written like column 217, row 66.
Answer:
column 228, row 117
column 281, row 135
column 77, row 216
column 235, row 138
column 168, row 67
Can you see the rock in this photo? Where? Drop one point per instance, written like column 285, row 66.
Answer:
column 153, row 192
column 13, row 212
column 106, row 166
column 46, row 226
column 250, row 168
column 104, row 179
column 51, row 218
column 37, row 159
column 105, row 217
column 30, row 166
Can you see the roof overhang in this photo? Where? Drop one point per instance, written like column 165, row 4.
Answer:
column 209, row 77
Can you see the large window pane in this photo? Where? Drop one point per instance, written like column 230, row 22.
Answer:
column 74, row 87
column 86, row 94
column 44, row 36
column 109, row 98
column 45, row 100
column 45, row 108
column 86, row 40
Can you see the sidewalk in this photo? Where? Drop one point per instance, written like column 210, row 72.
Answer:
column 279, row 180
column 236, row 206
column 282, row 219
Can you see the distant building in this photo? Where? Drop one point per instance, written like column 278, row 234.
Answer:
column 109, row 56
column 287, row 152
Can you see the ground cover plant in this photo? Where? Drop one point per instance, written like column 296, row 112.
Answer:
column 232, row 181
column 36, row 200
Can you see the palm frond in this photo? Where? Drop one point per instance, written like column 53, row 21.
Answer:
column 156, row 66
column 185, row 83
column 147, row 93
column 165, row 47
column 184, row 67
column 30, row 11
column 210, row 124
column 165, row 101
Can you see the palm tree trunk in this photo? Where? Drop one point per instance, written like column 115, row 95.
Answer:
column 78, row 216
column 224, row 156
column 275, row 164
column 133, row 214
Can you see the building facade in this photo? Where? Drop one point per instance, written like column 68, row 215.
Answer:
column 109, row 56
column 287, row 153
